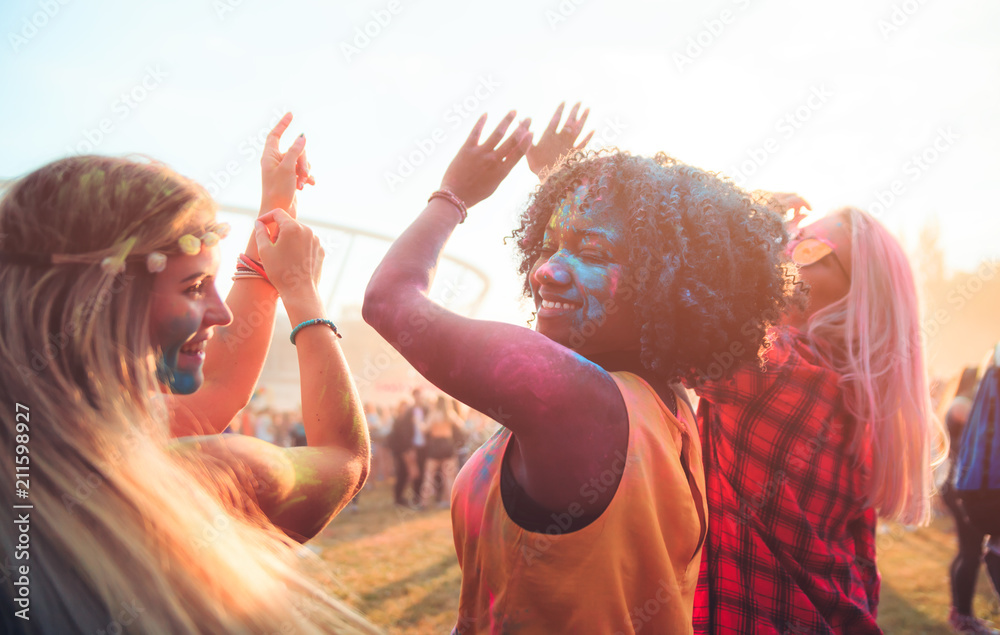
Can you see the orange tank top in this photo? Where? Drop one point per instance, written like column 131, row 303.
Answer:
column 633, row 569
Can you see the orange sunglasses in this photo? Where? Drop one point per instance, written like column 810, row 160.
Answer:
column 809, row 251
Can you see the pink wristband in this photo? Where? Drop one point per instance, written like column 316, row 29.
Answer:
column 450, row 196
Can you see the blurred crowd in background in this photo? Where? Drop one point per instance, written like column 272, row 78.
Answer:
column 420, row 442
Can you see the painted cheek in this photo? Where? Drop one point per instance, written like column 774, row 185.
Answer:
column 614, row 277
column 594, row 284
column 177, row 331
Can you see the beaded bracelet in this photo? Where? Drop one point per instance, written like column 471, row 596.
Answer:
column 450, row 196
column 310, row 323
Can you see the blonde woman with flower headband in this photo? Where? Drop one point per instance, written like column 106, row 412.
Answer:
column 126, row 531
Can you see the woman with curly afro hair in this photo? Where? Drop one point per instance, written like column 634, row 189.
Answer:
column 586, row 512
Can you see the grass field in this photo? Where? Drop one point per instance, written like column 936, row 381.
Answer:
column 398, row 567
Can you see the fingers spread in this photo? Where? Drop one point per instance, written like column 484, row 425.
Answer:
column 585, row 141
column 554, row 122
column 477, row 130
column 514, row 139
column 583, row 121
column 517, row 153
column 501, row 129
column 571, row 123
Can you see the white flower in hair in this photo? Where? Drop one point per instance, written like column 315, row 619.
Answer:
column 113, row 265
column 189, row 244
column 156, row 262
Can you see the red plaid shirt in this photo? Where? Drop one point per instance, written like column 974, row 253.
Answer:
column 791, row 543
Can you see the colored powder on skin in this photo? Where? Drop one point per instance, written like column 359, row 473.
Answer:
column 491, row 452
column 605, row 281
column 615, row 278
column 181, row 382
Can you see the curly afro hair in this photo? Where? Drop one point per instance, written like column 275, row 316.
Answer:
column 706, row 260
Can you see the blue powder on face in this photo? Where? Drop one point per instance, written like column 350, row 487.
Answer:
column 179, row 382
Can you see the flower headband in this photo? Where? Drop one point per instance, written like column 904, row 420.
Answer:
column 189, row 244
column 156, row 261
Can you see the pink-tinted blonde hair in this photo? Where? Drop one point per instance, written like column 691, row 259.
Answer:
column 872, row 338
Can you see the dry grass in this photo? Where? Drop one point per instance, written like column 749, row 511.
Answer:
column 399, row 569
column 915, row 590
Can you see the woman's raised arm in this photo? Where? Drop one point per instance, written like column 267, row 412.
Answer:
column 550, row 397
column 302, row 489
column 235, row 357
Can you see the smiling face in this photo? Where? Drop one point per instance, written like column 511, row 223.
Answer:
column 185, row 308
column 578, row 282
column 828, row 278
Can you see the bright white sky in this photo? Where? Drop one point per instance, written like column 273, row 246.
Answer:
column 217, row 72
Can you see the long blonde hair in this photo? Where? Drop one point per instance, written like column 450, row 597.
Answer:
column 122, row 530
column 872, row 338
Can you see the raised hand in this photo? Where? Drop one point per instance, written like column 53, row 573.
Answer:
column 478, row 169
column 782, row 202
column 283, row 173
column 553, row 145
column 291, row 253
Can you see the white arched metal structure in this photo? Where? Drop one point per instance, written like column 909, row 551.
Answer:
column 460, row 285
